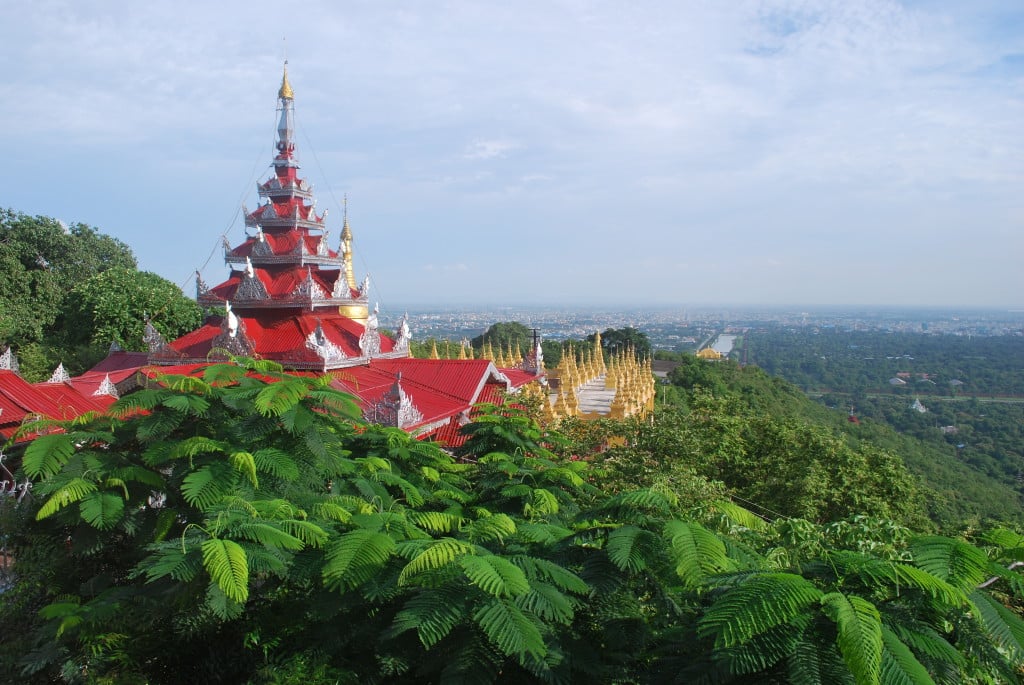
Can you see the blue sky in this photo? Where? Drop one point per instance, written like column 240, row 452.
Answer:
column 558, row 152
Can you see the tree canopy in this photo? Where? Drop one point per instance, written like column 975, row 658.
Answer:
column 243, row 526
column 69, row 291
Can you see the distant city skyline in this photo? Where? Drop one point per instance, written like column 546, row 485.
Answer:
column 565, row 153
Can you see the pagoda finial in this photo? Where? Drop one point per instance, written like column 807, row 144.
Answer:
column 286, row 92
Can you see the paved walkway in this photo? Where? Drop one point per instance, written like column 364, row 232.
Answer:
column 593, row 397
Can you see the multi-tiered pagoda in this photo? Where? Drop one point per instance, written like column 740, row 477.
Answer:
column 291, row 297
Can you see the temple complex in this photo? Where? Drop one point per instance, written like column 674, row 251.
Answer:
column 291, row 296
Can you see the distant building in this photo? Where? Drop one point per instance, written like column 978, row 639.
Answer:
column 917, row 406
column 897, row 381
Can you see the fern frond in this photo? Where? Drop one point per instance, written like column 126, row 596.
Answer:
column 355, row 557
column 512, row 631
column 435, row 521
column 899, row 665
column 244, row 463
column 223, row 374
column 183, row 383
column 46, row 455
column 494, row 575
column 101, row 510
column 220, row 605
column 196, row 445
column 696, row 551
column 1003, row 626
column 410, row 492
column 226, row 562
column 438, row 554
column 72, row 491
column 205, row 487
column 171, row 560
column 549, row 571
column 761, row 602
column 814, row 662
column 193, row 405
column 432, row 614
column 628, row 547
column 740, row 515
column 277, row 398
column 276, row 462
column 309, row 533
column 268, row 535
column 962, row 565
column 547, row 602
column 158, row 425
column 331, row 511
column 139, row 401
column 860, row 634
column 495, row 527
column 542, row 503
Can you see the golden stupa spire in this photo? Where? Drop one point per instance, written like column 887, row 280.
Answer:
column 433, row 350
column 285, row 92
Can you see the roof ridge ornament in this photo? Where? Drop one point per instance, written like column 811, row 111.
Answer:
column 106, row 387
column 9, row 360
column 60, row 375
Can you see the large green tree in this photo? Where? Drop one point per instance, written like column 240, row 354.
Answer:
column 42, row 260
column 114, row 305
column 242, row 526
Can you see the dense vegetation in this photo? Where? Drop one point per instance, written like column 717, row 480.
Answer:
column 245, row 527
column 68, row 292
column 957, row 492
column 964, row 443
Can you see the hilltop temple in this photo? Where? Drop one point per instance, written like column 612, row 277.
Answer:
column 291, row 296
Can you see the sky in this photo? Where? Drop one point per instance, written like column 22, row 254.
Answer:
column 622, row 154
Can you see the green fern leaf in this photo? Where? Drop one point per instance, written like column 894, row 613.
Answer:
column 277, row 463
column 196, row 445
column 496, row 527
column 171, row 560
column 268, row 535
column 436, row 522
column 542, row 503
column 331, row 511
column 226, row 563
column 812, row 662
column 46, row 455
column 207, row 486
column 277, row 398
column 543, row 533
column 629, row 546
column 437, row 555
column 309, row 533
column 183, row 383
column 696, row 551
column 222, row 606
column 72, row 491
column 1003, row 626
column 193, row 405
column 547, row 602
column 143, row 400
column 412, row 494
column 899, row 665
column 760, row 602
column 549, row 571
column 356, row 557
column 433, row 614
column 962, row 565
column 223, row 374
column 494, row 575
column 158, row 425
column 860, row 634
column 245, row 463
column 512, row 631
column 101, row 510
column 740, row 515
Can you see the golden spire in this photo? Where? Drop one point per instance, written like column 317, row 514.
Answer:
column 433, row 350
column 285, row 92
column 462, row 349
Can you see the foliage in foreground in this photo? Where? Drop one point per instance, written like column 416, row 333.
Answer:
column 246, row 528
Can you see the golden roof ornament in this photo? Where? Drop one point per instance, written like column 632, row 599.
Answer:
column 285, row 92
